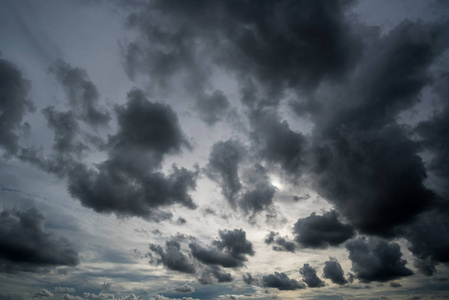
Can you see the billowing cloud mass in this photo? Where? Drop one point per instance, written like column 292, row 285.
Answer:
column 170, row 141
column 321, row 231
column 14, row 104
column 310, row 278
column 374, row 259
column 129, row 183
column 332, row 270
column 281, row 281
column 26, row 246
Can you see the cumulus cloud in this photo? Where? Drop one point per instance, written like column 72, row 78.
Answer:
column 26, row 246
column 172, row 257
column 374, row 259
column 321, row 231
column 281, row 281
column 230, row 251
column 310, row 278
column 14, row 104
column 128, row 182
column 280, row 243
column 332, row 270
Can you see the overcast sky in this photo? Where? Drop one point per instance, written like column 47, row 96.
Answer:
column 229, row 149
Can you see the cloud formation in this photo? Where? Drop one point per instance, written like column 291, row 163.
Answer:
column 310, row 278
column 26, row 246
column 332, row 270
column 14, row 104
column 374, row 259
column 321, row 231
column 281, row 281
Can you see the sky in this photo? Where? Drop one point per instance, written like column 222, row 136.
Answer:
column 228, row 149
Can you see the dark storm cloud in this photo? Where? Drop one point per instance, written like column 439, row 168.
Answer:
column 82, row 93
column 433, row 133
column 212, row 107
column 44, row 293
column 309, row 277
column 172, row 257
column 395, row 285
column 368, row 165
column 129, row 183
column 229, row 252
column 426, row 267
column 278, row 143
column 13, row 105
column 321, row 231
column 223, row 166
column 428, row 236
column 281, row 44
column 26, row 246
column 374, row 259
column 332, row 270
column 281, row 282
column 280, row 243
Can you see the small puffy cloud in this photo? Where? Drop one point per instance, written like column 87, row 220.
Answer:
column 184, row 289
column 309, row 277
column 280, row 243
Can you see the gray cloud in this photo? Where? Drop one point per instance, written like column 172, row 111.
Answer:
column 14, row 104
column 82, row 93
column 214, row 274
column 280, row 243
column 184, row 289
column 332, row 270
column 376, row 260
column 258, row 199
column 128, row 183
column 26, row 246
column 212, row 107
column 359, row 148
column 426, row 267
column 281, row 282
column 224, row 161
column 248, row 278
column 229, row 252
column 321, row 231
column 44, row 293
column 310, row 278
column 172, row 257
